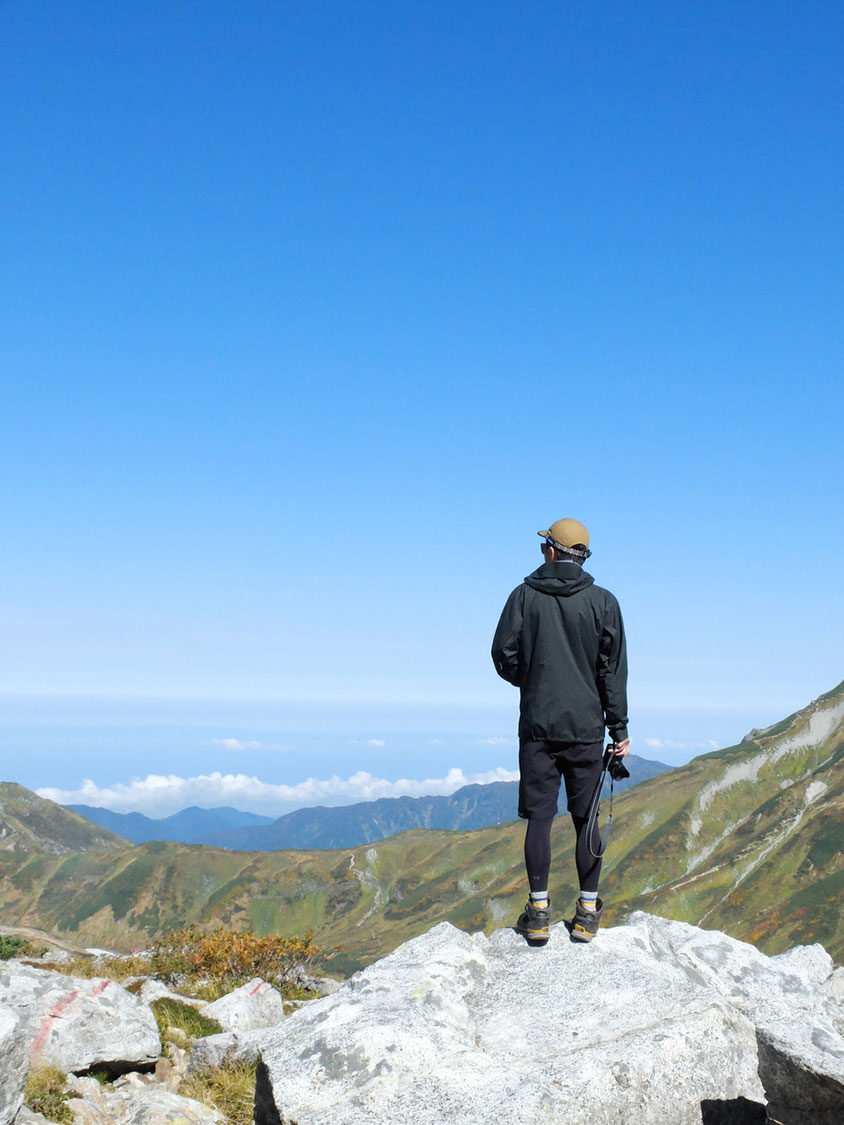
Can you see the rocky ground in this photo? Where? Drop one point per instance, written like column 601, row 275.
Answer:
column 89, row 1050
column 655, row 1021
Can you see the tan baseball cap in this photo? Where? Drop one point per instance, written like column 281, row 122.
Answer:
column 567, row 533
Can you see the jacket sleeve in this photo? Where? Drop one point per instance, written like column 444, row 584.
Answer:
column 612, row 673
column 507, row 642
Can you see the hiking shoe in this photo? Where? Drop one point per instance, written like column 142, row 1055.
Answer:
column 534, row 924
column 586, row 923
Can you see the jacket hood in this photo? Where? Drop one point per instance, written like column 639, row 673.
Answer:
column 560, row 579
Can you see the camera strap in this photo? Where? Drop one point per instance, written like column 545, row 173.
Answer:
column 594, row 808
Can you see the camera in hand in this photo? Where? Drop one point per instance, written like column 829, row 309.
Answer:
column 615, row 767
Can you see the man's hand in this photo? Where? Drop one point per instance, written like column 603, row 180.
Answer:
column 622, row 749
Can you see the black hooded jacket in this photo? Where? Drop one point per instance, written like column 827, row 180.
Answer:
column 561, row 641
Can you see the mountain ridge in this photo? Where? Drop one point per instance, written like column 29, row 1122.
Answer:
column 187, row 826
column 344, row 826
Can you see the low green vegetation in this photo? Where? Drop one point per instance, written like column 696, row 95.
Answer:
column 173, row 1014
column 47, row 1094
column 229, row 1088
column 14, row 947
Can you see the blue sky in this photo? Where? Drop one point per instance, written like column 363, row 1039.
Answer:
column 313, row 314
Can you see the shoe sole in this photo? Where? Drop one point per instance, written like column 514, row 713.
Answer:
column 539, row 936
column 578, row 933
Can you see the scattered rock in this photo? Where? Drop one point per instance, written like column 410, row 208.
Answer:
column 26, row 1116
column 229, row 1046
column 322, row 986
column 655, row 1021
column 152, row 990
column 55, row 957
column 13, row 1066
column 253, row 1005
column 76, row 1024
column 136, row 1103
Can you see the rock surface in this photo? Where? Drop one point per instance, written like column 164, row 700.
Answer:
column 136, row 1104
column 152, row 990
column 253, row 1005
column 229, row 1046
column 13, row 1066
column 793, row 1002
column 75, row 1024
column 655, row 1021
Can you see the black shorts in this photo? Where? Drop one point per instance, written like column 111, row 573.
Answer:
column 542, row 764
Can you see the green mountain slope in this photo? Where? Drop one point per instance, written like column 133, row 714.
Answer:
column 747, row 840
column 28, row 823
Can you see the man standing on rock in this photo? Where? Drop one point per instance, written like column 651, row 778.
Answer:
column 561, row 641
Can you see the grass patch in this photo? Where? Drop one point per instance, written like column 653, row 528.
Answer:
column 111, row 968
column 45, row 1093
column 170, row 1013
column 229, row 1088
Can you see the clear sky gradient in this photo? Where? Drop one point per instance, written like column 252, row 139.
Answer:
column 312, row 315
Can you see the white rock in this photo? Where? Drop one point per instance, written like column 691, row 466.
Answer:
column 646, row 1024
column 138, row 1105
column 790, row 1001
column 834, row 988
column 322, row 986
column 152, row 990
column 75, row 1024
column 27, row 1117
column 253, row 1005
column 229, row 1046
column 13, row 1066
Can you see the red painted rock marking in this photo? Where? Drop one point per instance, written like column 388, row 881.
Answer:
column 100, row 989
column 257, row 988
column 57, row 1010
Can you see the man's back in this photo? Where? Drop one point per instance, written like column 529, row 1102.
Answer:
column 560, row 639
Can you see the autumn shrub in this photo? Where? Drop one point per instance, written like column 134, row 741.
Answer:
column 222, row 960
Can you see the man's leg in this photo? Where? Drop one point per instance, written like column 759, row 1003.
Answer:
column 588, row 867
column 582, row 768
column 539, row 784
column 538, row 859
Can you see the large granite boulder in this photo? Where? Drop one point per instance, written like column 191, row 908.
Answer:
column 655, row 1021
column 794, row 1002
column 13, row 1066
column 253, row 1005
column 75, row 1024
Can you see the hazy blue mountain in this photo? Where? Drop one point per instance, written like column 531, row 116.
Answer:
column 473, row 806
column 185, row 827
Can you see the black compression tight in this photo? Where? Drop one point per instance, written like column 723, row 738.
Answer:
column 538, row 853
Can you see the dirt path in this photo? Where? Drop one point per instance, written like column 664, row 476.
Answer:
column 40, row 937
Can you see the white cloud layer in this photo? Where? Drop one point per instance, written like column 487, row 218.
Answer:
column 157, row 795
column 236, row 744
